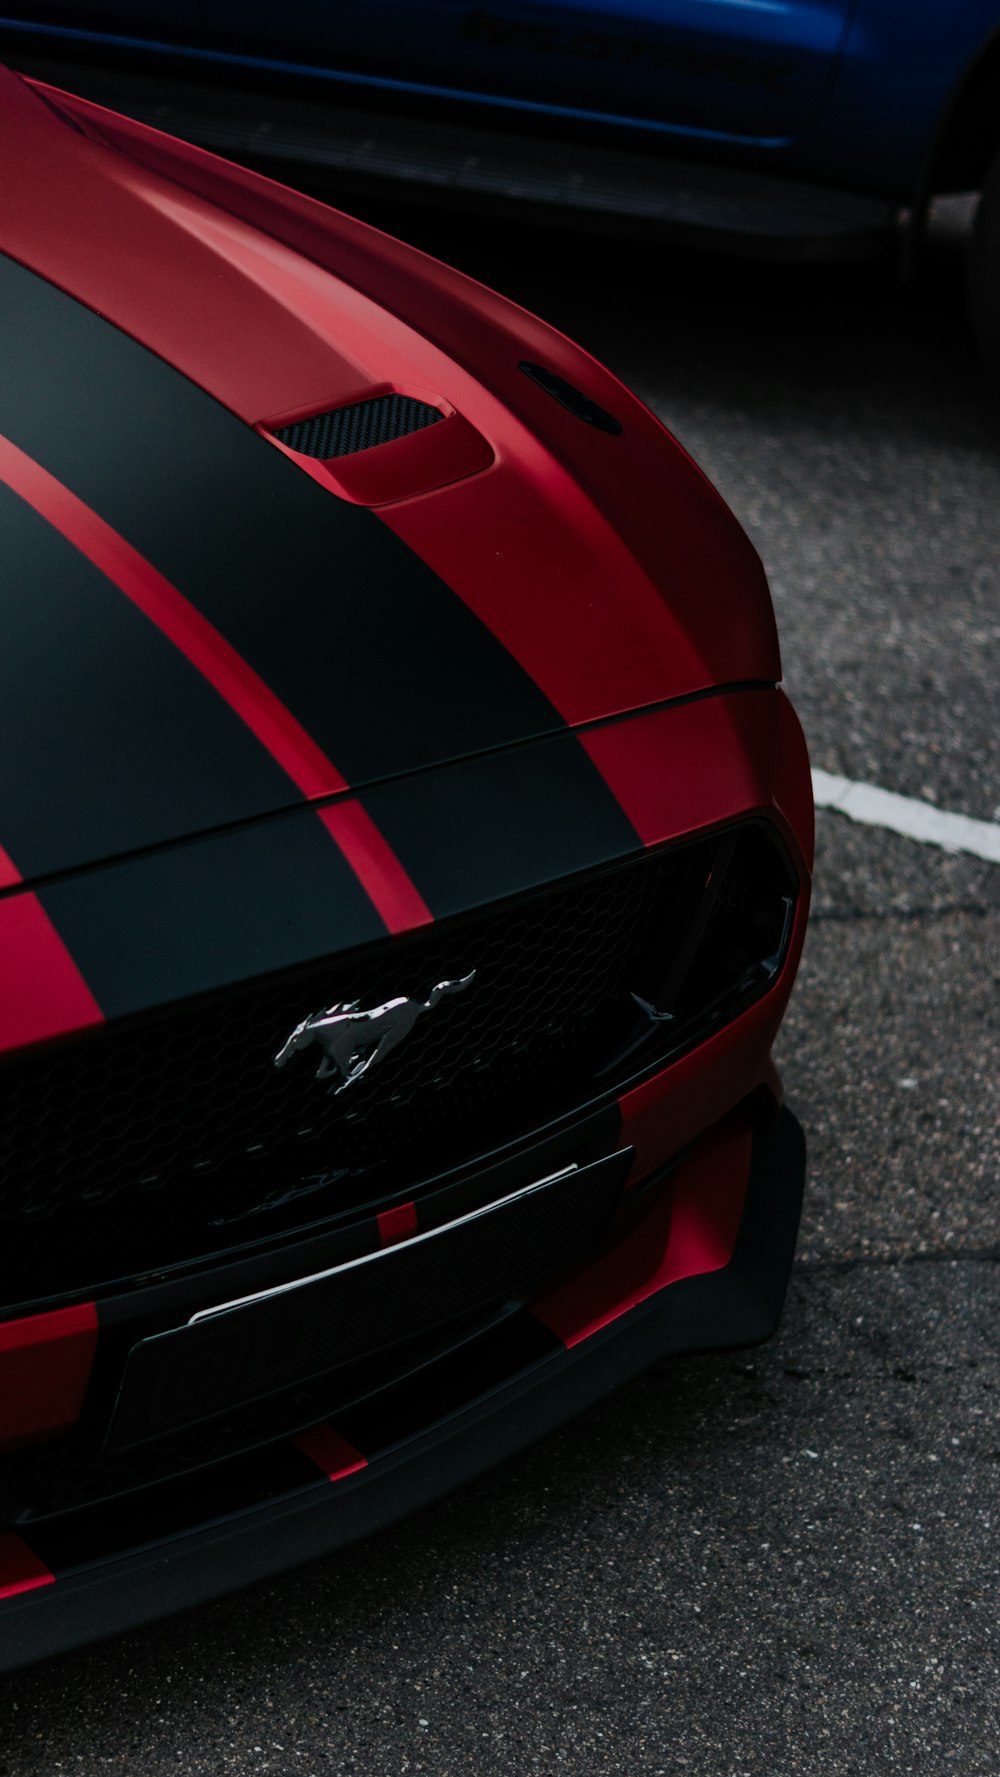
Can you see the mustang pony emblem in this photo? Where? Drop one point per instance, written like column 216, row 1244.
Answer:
column 352, row 1041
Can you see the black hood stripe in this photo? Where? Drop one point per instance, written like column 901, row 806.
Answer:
column 494, row 827
column 110, row 740
column 385, row 668
column 134, row 781
column 153, row 930
column 180, row 622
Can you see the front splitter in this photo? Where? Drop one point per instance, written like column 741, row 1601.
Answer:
column 50, row 1611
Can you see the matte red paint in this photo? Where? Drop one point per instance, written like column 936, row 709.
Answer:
column 397, row 1224
column 376, row 865
column 677, row 770
column 442, row 453
column 45, row 1365
column 609, row 567
column 20, row 1568
column 690, row 1230
column 10, row 875
column 560, row 585
column 792, row 780
column 330, row 1452
column 201, row 644
column 44, row 994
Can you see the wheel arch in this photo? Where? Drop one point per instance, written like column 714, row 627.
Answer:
column 968, row 134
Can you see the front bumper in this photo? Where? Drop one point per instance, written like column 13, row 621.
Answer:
column 705, row 1268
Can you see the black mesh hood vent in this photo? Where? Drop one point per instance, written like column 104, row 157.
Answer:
column 344, row 430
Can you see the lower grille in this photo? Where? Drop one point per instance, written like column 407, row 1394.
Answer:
column 171, row 1138
column 46, row 1481
column 244, row 1380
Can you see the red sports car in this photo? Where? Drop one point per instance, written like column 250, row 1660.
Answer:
column 405, row 863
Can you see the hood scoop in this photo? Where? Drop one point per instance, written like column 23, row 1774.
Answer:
column 343, row 430
column 388, row 446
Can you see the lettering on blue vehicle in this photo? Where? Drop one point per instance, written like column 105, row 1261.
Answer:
column 604, row 46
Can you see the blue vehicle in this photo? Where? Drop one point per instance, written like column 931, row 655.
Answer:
column 797, row 128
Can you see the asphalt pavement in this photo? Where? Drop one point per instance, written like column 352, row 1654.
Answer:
column 779, row 1561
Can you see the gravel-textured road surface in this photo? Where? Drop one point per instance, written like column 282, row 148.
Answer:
column 782, row 1561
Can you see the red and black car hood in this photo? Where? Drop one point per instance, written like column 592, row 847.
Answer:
column 202, row 628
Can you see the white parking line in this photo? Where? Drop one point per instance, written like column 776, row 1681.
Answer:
column 905, row 814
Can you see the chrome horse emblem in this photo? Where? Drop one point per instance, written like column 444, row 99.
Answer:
column 352, row 1041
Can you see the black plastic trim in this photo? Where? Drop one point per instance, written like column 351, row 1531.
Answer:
column 737, row 1306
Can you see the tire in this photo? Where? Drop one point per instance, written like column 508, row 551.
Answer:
column 983, row 285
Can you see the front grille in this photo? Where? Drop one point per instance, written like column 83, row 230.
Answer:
column 344, row 430
column 168, row 1139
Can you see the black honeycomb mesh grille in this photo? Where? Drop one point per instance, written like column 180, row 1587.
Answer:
column 344, row 430
column 174, row 1137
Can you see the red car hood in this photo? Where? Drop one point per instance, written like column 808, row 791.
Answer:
column 508, row 573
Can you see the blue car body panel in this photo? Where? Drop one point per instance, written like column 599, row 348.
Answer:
column 850, row 92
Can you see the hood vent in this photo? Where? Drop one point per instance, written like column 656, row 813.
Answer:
column 344, row 430
column 574, row 400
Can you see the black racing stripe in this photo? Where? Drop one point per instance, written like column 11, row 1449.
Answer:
column 151, row 930
column 371, row 651
column 109, row 740
column 497, row 826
